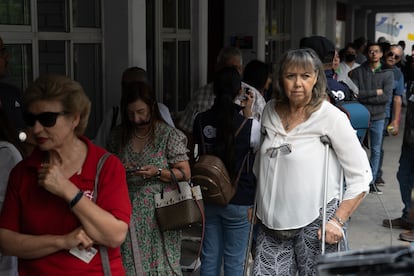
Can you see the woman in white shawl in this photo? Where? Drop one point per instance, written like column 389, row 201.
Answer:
column 290, row 170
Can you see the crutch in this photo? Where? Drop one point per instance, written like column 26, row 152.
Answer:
column 249, row 242
column 326, row 141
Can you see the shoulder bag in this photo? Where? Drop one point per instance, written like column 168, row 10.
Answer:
column 179, row 208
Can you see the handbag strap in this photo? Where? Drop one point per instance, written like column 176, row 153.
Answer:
column 203, row 225
column 135, row 249
column 103, row 250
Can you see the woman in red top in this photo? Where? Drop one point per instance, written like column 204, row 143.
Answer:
column 48, row 210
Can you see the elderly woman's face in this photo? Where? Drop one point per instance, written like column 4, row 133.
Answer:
column 139, row 113
column 298, row 83
column 50, row 123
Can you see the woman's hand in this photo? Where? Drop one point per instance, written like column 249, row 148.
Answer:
column 247, row 104
column 77, row 238
column 147, row 171
column 52, row 179
column 334, row 232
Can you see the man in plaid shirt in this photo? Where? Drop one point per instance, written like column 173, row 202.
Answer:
column 203, row 98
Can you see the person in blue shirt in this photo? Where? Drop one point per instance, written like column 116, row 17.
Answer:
column 393, row 108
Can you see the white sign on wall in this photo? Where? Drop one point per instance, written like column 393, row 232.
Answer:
column 395, row 27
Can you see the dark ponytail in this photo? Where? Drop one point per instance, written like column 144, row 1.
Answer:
column 227, row 86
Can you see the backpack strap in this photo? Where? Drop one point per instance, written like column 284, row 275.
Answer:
column 240, row 127
column 236, row 181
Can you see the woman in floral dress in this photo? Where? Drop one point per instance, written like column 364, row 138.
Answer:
column 149, row 149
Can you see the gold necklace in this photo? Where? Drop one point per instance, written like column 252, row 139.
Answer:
column 287, row 124
column 139, row 137
column 300, row 118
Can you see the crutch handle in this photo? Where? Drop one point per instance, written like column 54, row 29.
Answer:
column 325, row 140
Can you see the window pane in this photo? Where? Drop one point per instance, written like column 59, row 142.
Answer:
column 88, row 72
column 87, row 13
column 150, row 42
column 184, row 14
column 15, row 12
column 169, row 73
column 52, row 57
column 168, row 13
column 51, row 15
column 20, row 64
column 183, row 74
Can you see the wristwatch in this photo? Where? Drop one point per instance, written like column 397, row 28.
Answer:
column 158, row 175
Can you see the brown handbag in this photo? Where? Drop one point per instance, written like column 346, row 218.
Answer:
column 179, row 208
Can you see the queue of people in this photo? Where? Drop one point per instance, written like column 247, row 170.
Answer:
column 54, row 222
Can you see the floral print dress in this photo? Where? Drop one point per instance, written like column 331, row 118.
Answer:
column 160, row 252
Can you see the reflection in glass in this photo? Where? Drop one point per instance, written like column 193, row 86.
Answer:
column 183, row 74
column 150, row 42
column 52, row 57
column 184, row 14
column 20, row 64
column 86, row 13
column 51, row 15
column 168, row 13
column 15, row 12
column 87, row 63
column 169, row 74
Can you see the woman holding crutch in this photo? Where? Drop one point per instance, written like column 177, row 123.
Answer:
column 290, row 169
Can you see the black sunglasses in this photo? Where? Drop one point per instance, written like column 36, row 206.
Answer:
column 391, row 54
column 46, row 119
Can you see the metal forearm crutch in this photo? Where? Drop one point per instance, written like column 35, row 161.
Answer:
column 327, row 143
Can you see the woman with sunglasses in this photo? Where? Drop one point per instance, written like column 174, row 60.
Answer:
column 290, row 170
column 151, row 151
column 49, row 220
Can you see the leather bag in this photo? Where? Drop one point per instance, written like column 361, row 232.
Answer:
column 210, row 173
column 179, row 208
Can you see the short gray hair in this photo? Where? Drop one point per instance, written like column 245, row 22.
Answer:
column 227, row 54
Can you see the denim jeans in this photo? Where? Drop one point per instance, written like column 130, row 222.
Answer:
column 379, row 172
column 225, row 239
column 376, row 133
column 405, row 176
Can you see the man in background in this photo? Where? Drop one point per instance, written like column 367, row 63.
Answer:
column 393, row 108
column 203, row 98
column 375, row 89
